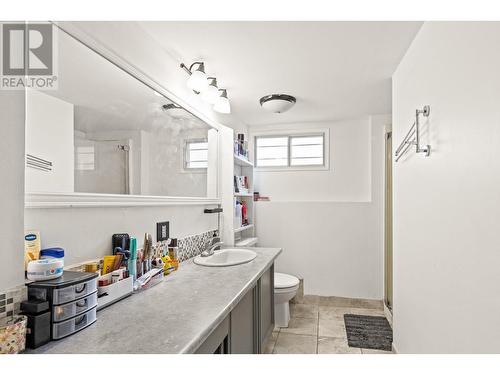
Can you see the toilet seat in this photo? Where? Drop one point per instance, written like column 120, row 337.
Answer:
column 284, row 281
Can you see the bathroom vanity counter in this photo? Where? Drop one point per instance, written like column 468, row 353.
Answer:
column 175, row 316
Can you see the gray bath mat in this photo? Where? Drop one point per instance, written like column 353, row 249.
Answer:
column 368, row 332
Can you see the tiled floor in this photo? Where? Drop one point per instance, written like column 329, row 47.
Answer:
column 317, row 326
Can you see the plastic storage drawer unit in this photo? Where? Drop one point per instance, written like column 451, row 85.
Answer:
column 70, row 326
column 71, row 309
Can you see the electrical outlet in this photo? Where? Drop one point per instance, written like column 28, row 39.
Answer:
column 162, row 231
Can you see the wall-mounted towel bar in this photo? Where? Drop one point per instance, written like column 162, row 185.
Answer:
column 38, row 163
column 412, row 138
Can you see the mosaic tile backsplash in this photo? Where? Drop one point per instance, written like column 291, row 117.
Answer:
column 10, row 301
column 192, row 246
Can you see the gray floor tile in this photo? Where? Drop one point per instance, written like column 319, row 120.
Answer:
column 335, row 301
column 350, row 302
column 304, row 311
column 288, row 343
column 329, row 345
column 332, row 328
column 332, row 312
column 307, row 299
column 302, row 326
column 370, row 312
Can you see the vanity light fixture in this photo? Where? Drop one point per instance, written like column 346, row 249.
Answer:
column 197, row 77
column 222, row 105
column 207, row 87
column 277, row 103
column 211, row 94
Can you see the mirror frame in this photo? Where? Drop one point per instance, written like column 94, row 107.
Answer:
column 68, row 200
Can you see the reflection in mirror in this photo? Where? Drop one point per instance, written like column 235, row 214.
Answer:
column 104, row 131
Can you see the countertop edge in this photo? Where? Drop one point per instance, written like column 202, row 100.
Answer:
column 196, row 342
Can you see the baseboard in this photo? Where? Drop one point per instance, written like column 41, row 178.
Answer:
column 394, row 349
column 388, row 314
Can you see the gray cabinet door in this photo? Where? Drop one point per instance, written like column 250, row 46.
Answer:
column 217, row 342
column 266, row 306
column 244, row 325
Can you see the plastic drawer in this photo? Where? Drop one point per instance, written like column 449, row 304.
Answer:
column 69, row 310
column 73, row 292
column 66, row 328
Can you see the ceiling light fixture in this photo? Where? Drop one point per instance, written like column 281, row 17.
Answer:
column 198, row 78
column 175, row 111
column 211, row 94
column 222, row 105
column 277, row 103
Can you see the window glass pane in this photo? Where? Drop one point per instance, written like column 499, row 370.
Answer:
column 307, row 161
column 272, row 151
column 313, row 140
column 272, row 141
column 85, row 158
column 198, row 146
column 198, row 155
column 307, row 151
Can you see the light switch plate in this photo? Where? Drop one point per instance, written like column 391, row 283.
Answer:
column 162, row 231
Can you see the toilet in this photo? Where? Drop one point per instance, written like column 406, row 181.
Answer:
column 285, row 288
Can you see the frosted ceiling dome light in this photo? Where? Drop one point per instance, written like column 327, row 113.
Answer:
column 222, row 105
column 277, row 103
column 176, row 112
column 197, row 77
column 211, row 94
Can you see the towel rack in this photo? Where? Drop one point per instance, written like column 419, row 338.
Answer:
column 38, row 163
column 412, row 138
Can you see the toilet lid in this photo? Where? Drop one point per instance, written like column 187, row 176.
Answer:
column 282, row 280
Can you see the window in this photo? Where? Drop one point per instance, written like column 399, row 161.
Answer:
column 85, row 158
column 196, row 154
column 296, row 150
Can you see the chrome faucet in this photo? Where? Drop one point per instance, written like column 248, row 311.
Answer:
column 209, row 251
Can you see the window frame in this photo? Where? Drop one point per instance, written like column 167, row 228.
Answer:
column 294, row 133
column 185, row 158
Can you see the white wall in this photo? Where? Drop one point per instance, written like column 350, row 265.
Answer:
column 329, row 223
column 446, row 206
column 12, row 191
column 49, row 135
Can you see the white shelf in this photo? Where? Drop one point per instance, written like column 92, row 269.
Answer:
column 241, row 229
column 243, row 194
column 242, row 162
column 245, row 242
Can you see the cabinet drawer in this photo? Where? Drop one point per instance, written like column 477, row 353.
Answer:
column 69, row 310
column 66, row 328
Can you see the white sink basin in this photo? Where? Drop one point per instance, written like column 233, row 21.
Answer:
column 226, row 257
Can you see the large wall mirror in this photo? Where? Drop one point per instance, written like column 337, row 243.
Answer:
column 105, row 131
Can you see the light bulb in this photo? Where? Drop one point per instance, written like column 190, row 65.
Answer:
column 198, row 81
column 222, row 105
column 211, row 94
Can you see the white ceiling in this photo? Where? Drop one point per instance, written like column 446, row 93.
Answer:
column 335, row 69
